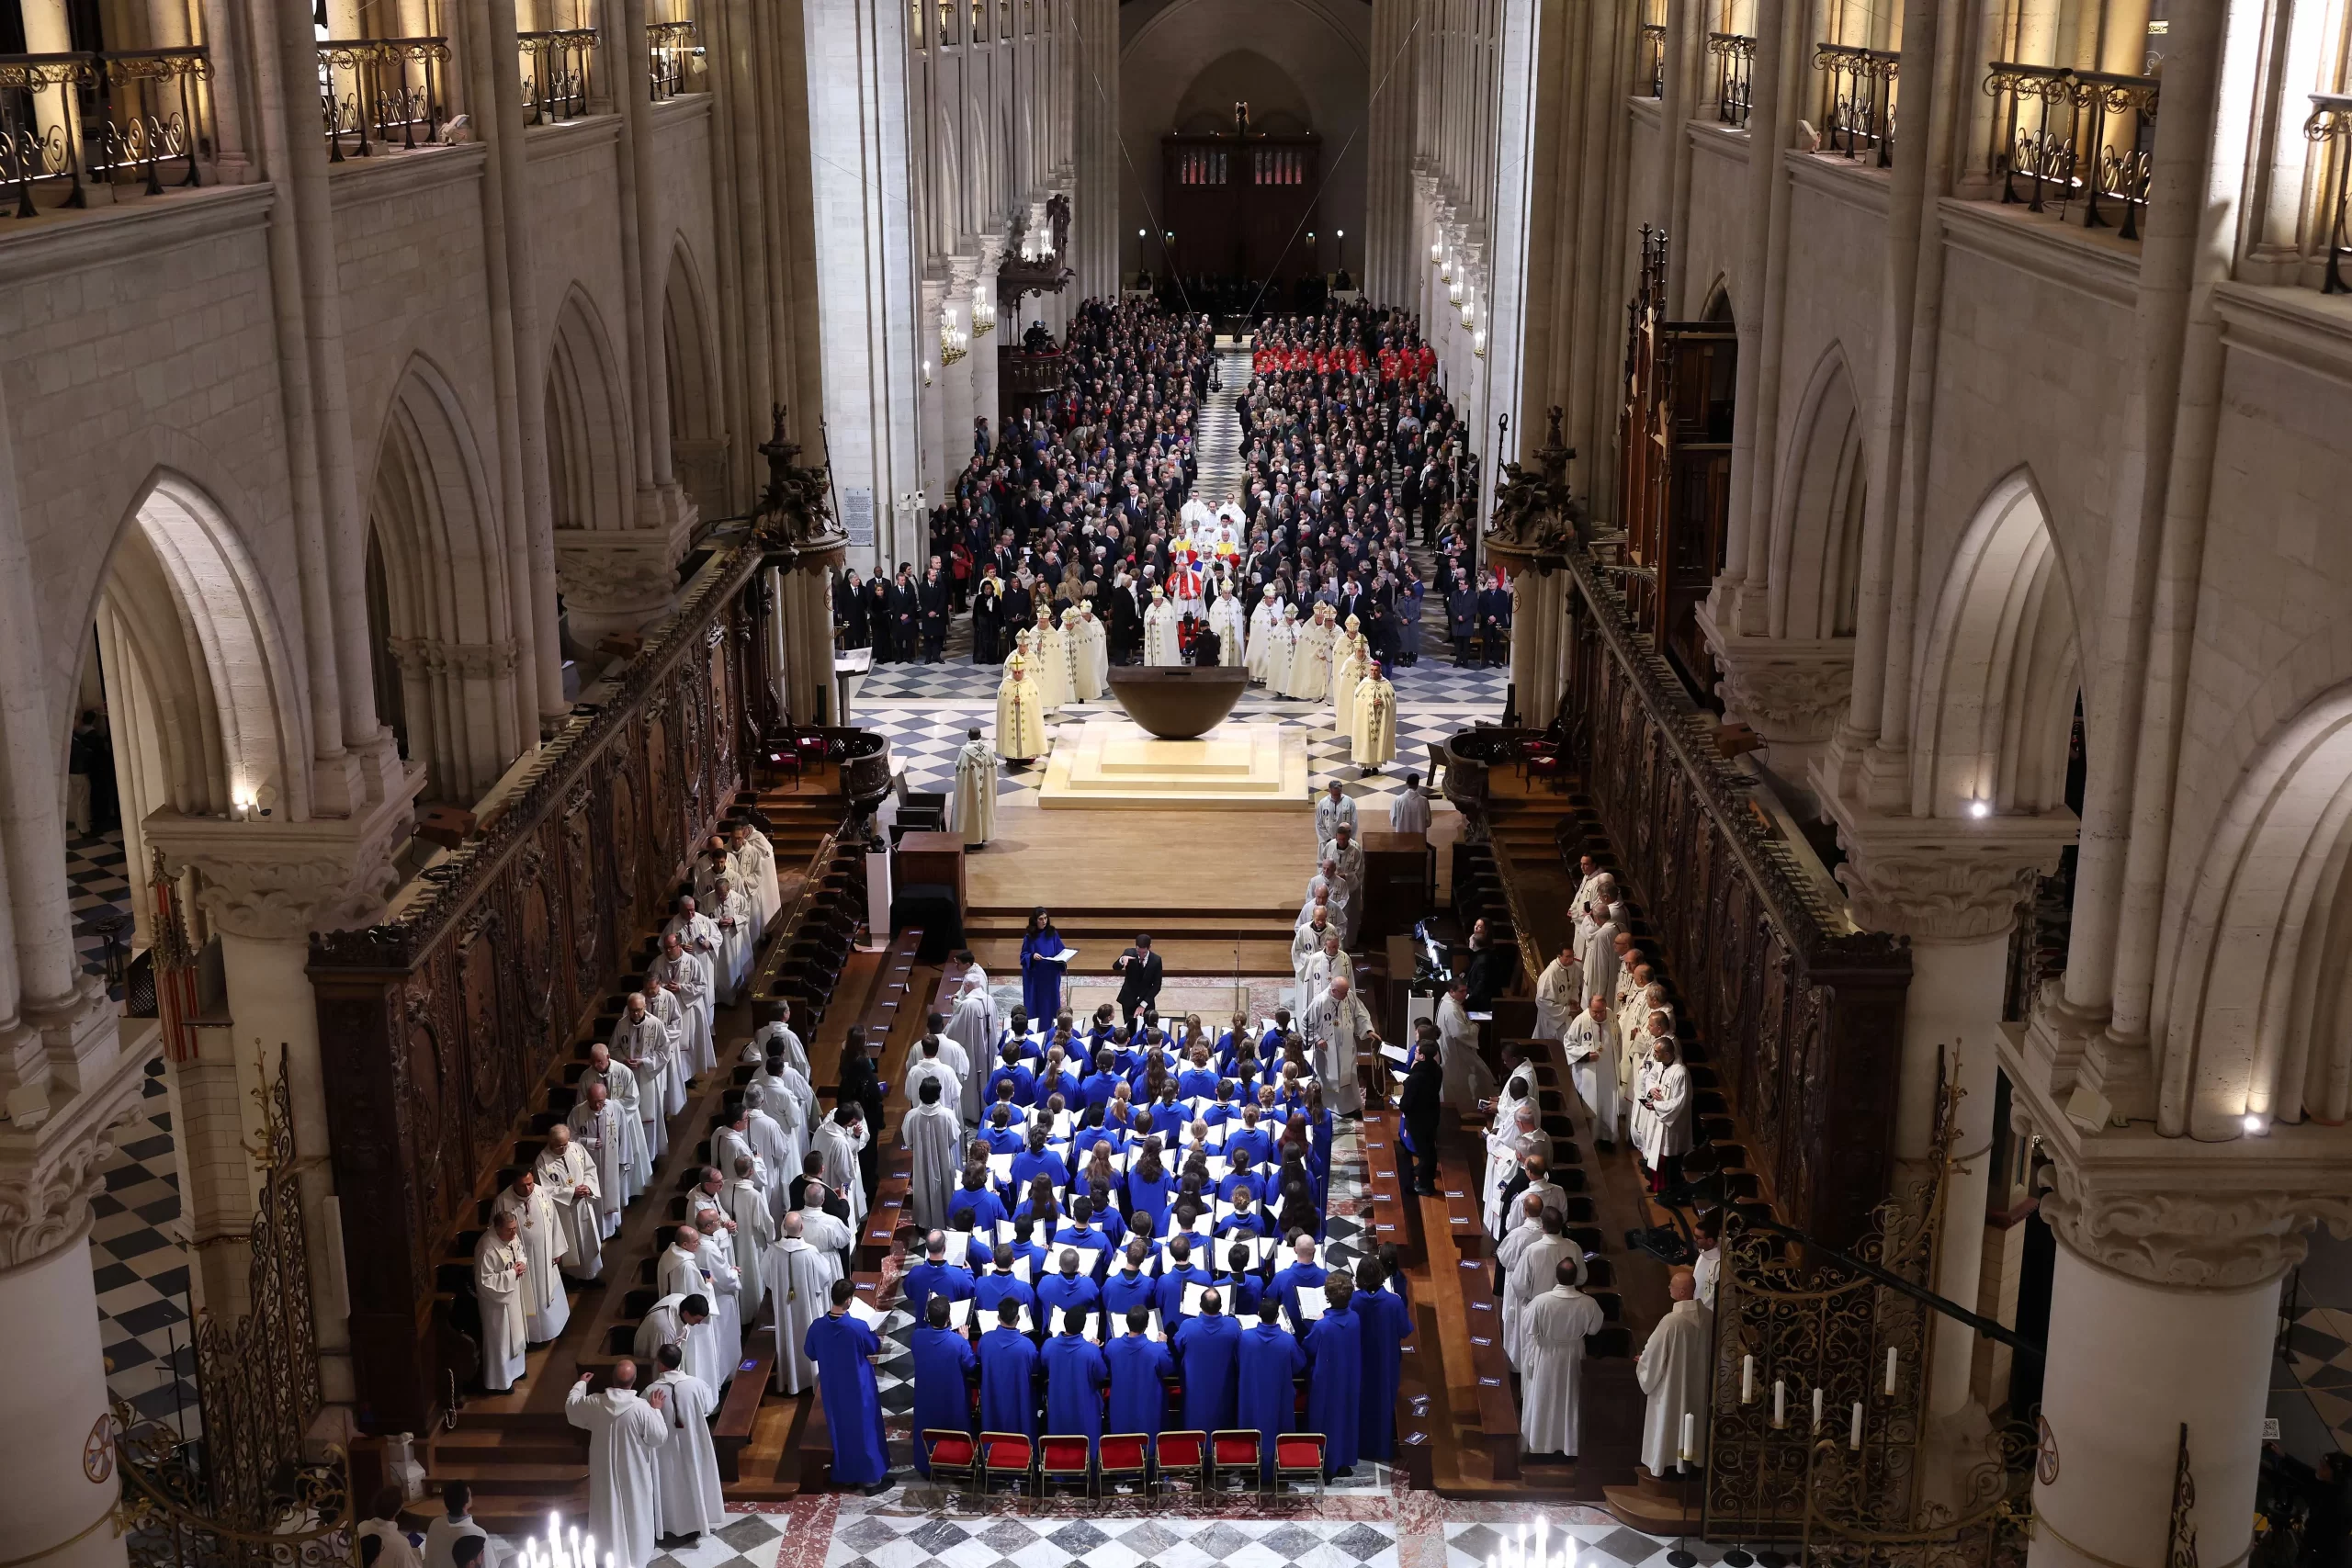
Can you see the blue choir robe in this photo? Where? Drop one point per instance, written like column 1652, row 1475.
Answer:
column 840, row 1345
column 1008, row 1382
column 985, row 1207
column 1028, row 1166
column 1041, row 976
column 1139, row 1398
column 1170, row 1295
column 1242, row 1294
column 1334, row 1387
column 1254, row 1139
column 1075, row 1373
column 993, row 1289
column 1270, row 1359
column 1024, row 1082
column 974, row 1253
column 1099, row 1088
column 1057, row 1293
column 942, row 1356
column 1257, row 1222
column 1008, row 1140
column 1285, row 1287
column 1093, row 1238
column 1383, row 1322
column 1123, row 1290
column 927, row 1279
column 1209, row 1348
column 1199, row 1083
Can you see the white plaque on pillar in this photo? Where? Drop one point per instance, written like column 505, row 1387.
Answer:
column 857, row 516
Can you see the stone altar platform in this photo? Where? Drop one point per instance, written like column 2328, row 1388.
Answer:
column 1113, row 763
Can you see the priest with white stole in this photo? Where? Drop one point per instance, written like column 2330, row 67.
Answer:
column 719, row 1266
column 1673, row 1373
column 1160, row 642
column 1559, row 994
column 737, row 922
column 685, row 1467
column 796, row 1275
column 840, row 1139
column 500, row 1267
column 1225, row 619
column 546, row 1309
column 677, row 1010
column 601, row 1131
column 1306, row 940
column 1317, row 969
column 935, row 1135
column 574, row 1189
column 625, row 1434
column 927, row 1067
column 1337, row 1025
column 1408, row 809
column 755, row 858
column 1332, row 807
column 955, row 1061
column 1591, row 1045
column 779, row 1032
column 644, row 1045
column 1347, row 858
column 1529, row 1260
column 620, row 1084
column 972, row 812
column 972, row 1026
column 684, row 1321
column 1371, row 730
column 687, row 978
column 1505, row 1152
column 1020, row 713
column 747, row 1206
column 1556, row 1323
column 1593, row 901
column 776, row 1138
column 1467, row 1079
column 1263, row 620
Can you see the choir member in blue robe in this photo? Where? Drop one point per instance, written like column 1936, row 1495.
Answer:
column 1270, row 1359
column 1067, row 1289
column 1074, row 1376
column 1002, row 1130
column 1128, row 1286
column 1041, row 973
column 944, row 1360
column 1209, row 1347
column 1242, row 1284
column 1009, row 1069
column 1038, row 1159
column 935, row 1275
column 975, row 1197
column 1335, row 1378
column 1137, row 1364
column 999, row 1284
column 1177, row 1273
column 1383, row 1323
column 1150, row 1184
column 843, row 1349
column 1301, row 1270
column 1008, row 1376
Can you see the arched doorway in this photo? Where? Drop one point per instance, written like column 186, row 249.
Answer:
column 698, row 442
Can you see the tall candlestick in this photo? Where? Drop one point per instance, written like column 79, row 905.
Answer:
column 1855, row 1441
column 1780, row 1402
column 1816, row 1409
column 1890, row 1371
column 1747, row 1379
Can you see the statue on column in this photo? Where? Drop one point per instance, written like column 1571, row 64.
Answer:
column 1240, row 116
column 797, row 497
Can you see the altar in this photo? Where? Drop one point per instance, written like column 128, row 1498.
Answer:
column 1115, row 763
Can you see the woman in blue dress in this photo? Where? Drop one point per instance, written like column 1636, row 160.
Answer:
column 1041, row 976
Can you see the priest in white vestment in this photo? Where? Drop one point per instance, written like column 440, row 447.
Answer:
column 927, row 1066
column 1559, row 995
column 972, row 1026
column 1337, row 1025
column 546, row 1309
column 1673, row 1373
column 687, row 976
column 1591, row 1044
column 1553, row 1344
column 1225, row 619
column 1263, row 620
column 698, row 934
column 1050, row 669
column 684, row 1321
column 575, row 1189
column 934, row 1133
column 972, row 810
column 500, row 1268
column 1505, row 1152
column 746, row 1203
column 1592, row 903
column 1467, row 1079
column 1347, row 860
column 686, row 1465
column 796, row 1276
column 1529, row 1261
column 1310, row 666
column 823, row 1231
column 1408, row 809
column 1350, row 662
column 1662, row 1114
column 1020, row 715
column 1315, row 968
column 1282, row 649
column 756, row 852
column 727, row 1315
column 1332, row 808
column 779, row 1032
column 1160, row 641
column 625, row 1434
column 776, row 1135
column 609, row 1133
column 645, row 1047
column 1606, row 952
column 1372, row 733
column 737, row 922
column 841, row 1143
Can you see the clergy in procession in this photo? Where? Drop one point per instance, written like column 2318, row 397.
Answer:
column 1263, row 622
column 626, row 1436
column 1310, row 662
column 746, row 1205
column 845, row 1350
column 776, row 1138
column 1225, row 620
column 1605, row 951
column 1707, row 1269
column 454, row 1523
column 1347, row 861
column 684, row 1321
column 1090, row 662
column 500, row 1267
column 1020, row 717
column 1673, row 1374
column 1371, row 726
column 841, row 1139
column 1270, row 1359
column 686, row 1466
column 1335, row 1376
column 1306, row 942
column 1409, row 810
column 1160, row 641
column 797, row 1278
column 1051, row 670
column 1075, row 1377
column 1557, row 1324
column 755, row 856
column 737, row 924
column 1383, row 1324
column 1529, row 1260
column 1140, row 1368
column 776, row 1036
column 824, row 1219
column 935, row 1135
column 1591, row 1046
column 972, row 810
column 1332, row 807
column 546, row 1309
column 931, row 1066
column 689, row 977
column 644, row 1045
column 1595, row 898
column 1008, row 1375
column 973, row 1027
column 1338, row 1025
column 1467, row 1077
column 606, row 1134
column 697, row 934
column 1319, row 967
column 1505, row 1151
column 1281, row 651
column 1661, row 1126
column 944, row 1368
column 727, row 1281
column 1350, row 662
column 1559, row 994
column 574, row 1189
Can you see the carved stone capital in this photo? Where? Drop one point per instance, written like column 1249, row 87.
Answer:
column 617, row 576
column 1938, row 879
column 48, row 1174
column 429, row 658
column 1786, row 690
column 280, row 881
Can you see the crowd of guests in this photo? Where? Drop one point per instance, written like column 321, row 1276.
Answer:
column 1352, row 454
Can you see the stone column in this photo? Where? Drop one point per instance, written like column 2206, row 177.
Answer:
column 985, row 344
column 1792, row 692
column 1538, row 608
column 957, row 382
column 934, row 392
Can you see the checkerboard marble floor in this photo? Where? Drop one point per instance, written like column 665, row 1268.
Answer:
column 99, row 892
column 138, row 1261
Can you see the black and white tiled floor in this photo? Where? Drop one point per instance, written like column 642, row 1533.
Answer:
column 100, row 894
column 138, row 1261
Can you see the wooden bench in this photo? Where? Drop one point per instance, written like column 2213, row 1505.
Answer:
column 739, row 1412
column 1395, row 1218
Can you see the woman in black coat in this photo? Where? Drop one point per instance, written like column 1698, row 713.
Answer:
column 1461, row 617
column 862, row 1086
column 878, row 620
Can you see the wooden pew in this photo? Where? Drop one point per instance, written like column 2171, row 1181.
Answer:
column 730, row 1429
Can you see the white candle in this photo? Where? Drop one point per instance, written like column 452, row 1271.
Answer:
column 1689, row 1425
column 1855, row 1441
column 1816, row 1409
column 1890, row 1371
column 1747, row 1379
column 1780, row 1402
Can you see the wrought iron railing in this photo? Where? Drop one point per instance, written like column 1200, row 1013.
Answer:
column 1857, row 100
column 2330, row 127
column 1735, row 58
column 673, row 54
column 374, row 92
column 556, row 73
column 1649, row 70
column 72, row 121
column 2065, row 136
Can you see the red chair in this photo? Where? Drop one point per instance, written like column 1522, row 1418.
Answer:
column 1180, row 1457
column 1298, row 1456
column 1064, row 1461
column 952, row 1455
column 1121, row 1456
column 1006, row 1456
column 1235, row 1453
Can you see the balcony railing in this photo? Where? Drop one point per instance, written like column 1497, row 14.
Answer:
column 69, row 121
column 374, row 92
column 673, row 58
column 1735, row 57
column 556, row 74
column 2330, row 125
column 1649, row 70
column 2068, row 135
column 1857, row 100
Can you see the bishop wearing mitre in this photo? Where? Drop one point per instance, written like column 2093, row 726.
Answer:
column 1372, row 733
column 1019, row 720
column 1160, row 644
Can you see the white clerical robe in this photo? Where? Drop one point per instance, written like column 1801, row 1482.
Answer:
column 1556, row 1323
column 1591, row 1044
column 546, row 1309
column 1334, row 1030
column 498, row 1269
column 1160, row 642
column 624, row 1493
column 841, row 1173
column 1090, row 655
column 972, row 1026
column 1282, row 649
column 797, row 1277
column 1662, row 1116
column 757, row 857
column 687, row 979
column 1305, row 941
column 581, row 1214
column 1054, row 687
column 1330, row 814
column 1532, row 1269
column 727, row 1306
column 1707, row 1272
column 737, row 921
column 1225, row 619
column 644, row 1045
column 1555, row 996
column 1262, row 621
column 1673, row 1373
column 921, row 1070
column 1601, row 957
column 1408, row 812
column 744, row 1203
column 698, row 934
column 663, row 1325
column 1310, row 662
column 1504, row 1151
column 972, row 812
column 1372, row 731
column 1467, row 1079
column 795, row 1054
column 1020, row 717
column 776, row 1139
column 686, row 1464
column 442, row 1534
column 935, row 1135
column 829, row 1235
column 1350, row 662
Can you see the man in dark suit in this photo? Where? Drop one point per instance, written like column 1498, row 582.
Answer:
column 1144, row 972
column 1494, row 623
column 933, row 596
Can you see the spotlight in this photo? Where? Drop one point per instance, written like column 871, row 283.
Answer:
column 2256, row 1126
column 1980, row 808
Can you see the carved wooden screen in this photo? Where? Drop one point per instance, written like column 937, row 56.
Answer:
column 1236, row 204
column 1801, row 1016
column 437, row 1028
